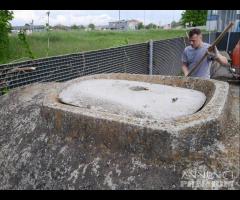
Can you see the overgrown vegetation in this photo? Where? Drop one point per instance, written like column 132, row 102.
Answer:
column 4, row 90
column 66, row 42
column 5, row 27
column 22, row 38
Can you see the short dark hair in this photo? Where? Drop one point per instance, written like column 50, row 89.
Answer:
column 194, row 31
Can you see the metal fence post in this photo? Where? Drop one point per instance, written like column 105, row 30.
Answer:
column 209, row 40
column 228, row 38
column 150, row 57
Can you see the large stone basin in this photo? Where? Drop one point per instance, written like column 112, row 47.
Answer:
column 112, row 126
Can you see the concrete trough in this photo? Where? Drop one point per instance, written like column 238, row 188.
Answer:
column 155, row 140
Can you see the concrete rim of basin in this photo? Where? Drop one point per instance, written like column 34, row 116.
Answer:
column 216, row 92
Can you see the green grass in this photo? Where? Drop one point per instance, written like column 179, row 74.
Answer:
column 66, row 42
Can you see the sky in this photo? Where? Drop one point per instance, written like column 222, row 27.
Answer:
column 97, row 17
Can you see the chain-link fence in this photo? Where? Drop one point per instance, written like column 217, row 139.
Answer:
column 167, row 56
column 136, row 58
column 125, row 59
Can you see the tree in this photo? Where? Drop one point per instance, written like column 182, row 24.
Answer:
column 60, row 27
column 151, row 26
column 81, row 27
column 5, row 28
column 74, row 26
column 140, row 26
column 174, row 24
column 91, row 26
column 194, row 17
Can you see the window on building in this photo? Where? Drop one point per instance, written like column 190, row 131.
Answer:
column 214, row 12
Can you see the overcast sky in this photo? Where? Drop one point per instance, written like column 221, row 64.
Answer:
column 97, row 17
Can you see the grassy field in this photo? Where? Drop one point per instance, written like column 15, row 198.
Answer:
column 65, row 42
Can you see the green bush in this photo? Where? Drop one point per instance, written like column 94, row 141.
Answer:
column 23, row 39
column 5, row 28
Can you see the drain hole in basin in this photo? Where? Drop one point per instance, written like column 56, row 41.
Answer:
column 138, row 88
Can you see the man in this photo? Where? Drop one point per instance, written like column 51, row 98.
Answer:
column 193, row 53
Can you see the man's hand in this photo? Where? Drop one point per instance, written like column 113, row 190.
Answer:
column 214, row 54
column 217, row 56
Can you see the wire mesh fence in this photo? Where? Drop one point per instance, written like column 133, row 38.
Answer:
column 167, row 56
column 125, row 59
column 166, row 60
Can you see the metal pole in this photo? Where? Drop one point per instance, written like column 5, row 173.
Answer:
column 144, row 18
column 229, row 33
column 209, row 20
column 209, row 34
column 150, row 57
column 48, row 31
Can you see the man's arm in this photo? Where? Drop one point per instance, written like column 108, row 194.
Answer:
column 221, row 59
column 218, row 57
column 185, row 69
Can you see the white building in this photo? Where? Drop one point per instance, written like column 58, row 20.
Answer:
column 167, row 26
column 124, row 25
column 29, row 28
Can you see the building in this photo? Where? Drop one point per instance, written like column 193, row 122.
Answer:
column 29, row 28
column 102, row 27
column 133, row 24
column 167, row 26
column 124, row 25
column 217, row 20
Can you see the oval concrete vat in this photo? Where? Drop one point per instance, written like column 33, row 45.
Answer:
column 154, row 140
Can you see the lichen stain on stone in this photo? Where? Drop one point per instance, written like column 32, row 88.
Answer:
column 58, row 120
column 84, row 170
column 74, row 175
column 137, row 164
column 95, row 166
column 71, row 135
column 118, row 171
column 108, row 181
column 63, row 149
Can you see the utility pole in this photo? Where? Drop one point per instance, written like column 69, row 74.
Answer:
column 32, row 25
column 144, row 17
column 119, row 15
column 48, row 13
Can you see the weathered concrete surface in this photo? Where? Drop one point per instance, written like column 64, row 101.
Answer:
column 40, row 149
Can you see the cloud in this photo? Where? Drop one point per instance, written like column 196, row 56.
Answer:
column 80, row 20
column 95, row 19
column 22, row 17
column 26, row 16
column 98, row 17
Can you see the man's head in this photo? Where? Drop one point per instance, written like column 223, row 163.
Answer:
column 195, row 37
